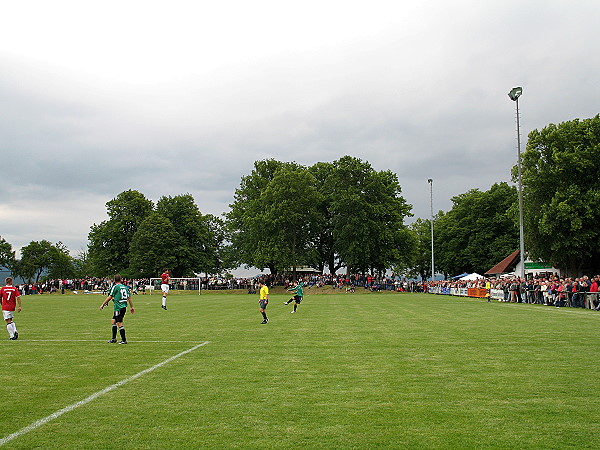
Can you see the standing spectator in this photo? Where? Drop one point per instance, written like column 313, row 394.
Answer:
column 505, row 290
column 567, row 291
column 594, row 293
column 537, row 292
column 528, row 294
column 560, row 294
column 576, row 295
column 545, row 292
column 584, row 287
column 514, row 291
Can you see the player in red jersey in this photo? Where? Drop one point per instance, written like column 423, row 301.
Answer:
column 10, row 297
column 165, row 280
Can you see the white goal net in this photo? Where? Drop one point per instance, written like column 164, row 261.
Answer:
column 177, row 284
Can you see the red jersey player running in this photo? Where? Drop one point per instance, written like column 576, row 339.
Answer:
column 165, row 280
column 10, row 296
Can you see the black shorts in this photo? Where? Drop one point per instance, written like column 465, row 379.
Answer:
column 118, row 317
column 263, row 304
column 297, row 298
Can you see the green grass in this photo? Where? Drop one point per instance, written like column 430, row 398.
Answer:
column 359, row 370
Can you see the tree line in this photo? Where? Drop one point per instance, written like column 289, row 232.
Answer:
column 345, row 214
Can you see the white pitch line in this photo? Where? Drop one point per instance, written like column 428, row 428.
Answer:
column 94, row 396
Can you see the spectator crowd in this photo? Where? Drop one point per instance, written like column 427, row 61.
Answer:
column 581, row 292
column 347, row 283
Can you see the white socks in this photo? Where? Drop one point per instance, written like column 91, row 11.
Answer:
column 164, row 301
column 12, row 329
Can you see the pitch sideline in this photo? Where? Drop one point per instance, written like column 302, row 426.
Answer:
column 94, row 396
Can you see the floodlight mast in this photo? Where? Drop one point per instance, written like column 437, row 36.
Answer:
column 514, row 95
column 430, row 181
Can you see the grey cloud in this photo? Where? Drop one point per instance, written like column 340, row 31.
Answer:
column 425, row 98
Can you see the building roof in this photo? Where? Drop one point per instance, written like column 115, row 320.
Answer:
column 506, row 265
column 302, row 269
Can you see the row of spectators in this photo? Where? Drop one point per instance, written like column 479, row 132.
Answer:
column 347, row 283
column 85, row 285
column 579, row 292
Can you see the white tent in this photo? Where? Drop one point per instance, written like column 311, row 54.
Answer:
column 472, row 276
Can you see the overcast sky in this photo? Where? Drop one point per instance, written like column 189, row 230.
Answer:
column 174, row 97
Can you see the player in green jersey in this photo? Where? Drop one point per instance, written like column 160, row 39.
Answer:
column 119, row 294
column 298, row 297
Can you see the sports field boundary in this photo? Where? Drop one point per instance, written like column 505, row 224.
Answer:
column 94, row 396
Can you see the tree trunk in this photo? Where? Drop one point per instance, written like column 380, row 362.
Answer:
column 294, row 258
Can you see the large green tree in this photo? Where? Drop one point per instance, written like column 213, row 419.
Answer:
column 332, row 215
column 82, row 264
column 214, row 256
column 289, row 216
column 478, row 232
column 368, row 213
column 155, row 246
column 199, row 241
column 269, row 221
column 36, row 258
column 42, row 257
column 420, row 262
column 322, row 254
column 561, row 194
column 118, row 244
column 109, row 241
column 61, row 262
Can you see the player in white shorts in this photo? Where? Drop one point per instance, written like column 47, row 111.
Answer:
column 164, row 287
column 10, row 296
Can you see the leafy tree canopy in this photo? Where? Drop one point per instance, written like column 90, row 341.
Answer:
column 190, row 243
column 480, row 230
column 155, row 246
column 335, row 214
column 561, row 191
column 270, row 219
column 41, row 256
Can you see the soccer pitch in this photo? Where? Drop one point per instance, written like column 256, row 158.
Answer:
column 362, row 370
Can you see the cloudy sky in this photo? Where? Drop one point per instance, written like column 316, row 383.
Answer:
column 174, row 97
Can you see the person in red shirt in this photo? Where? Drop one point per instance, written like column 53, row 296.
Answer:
column 10, row 297
column 594, row 293
column 165, row 281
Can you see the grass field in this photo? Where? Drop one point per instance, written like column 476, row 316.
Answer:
column 359, row 370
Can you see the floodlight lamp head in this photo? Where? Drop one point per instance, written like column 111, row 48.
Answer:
column 515, row 93
column 430, row 180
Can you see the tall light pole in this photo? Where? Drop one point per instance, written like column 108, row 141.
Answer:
column 514, row 95
column 430, row 181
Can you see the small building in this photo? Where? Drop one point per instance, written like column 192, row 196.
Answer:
column 512, row 264
column 507, row 265
column 303, row 270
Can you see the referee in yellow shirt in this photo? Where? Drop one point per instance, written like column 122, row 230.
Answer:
column 263, row 300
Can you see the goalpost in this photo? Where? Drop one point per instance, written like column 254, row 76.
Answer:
column 177, row 284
